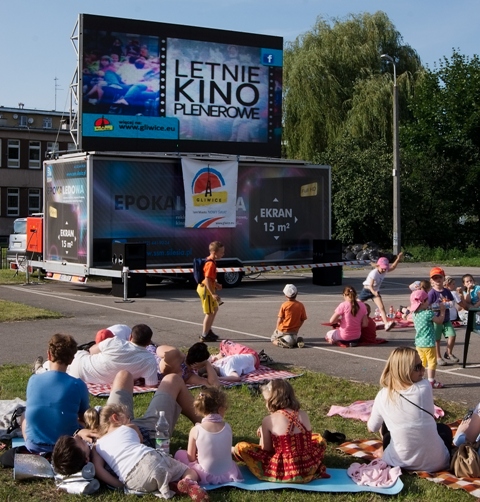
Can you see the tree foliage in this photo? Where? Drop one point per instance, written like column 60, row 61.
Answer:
column 362, row 207
column 441, row 154
column 338, row 110
column 336, row 83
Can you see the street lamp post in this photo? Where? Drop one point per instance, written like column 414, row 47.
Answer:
column 397, row 241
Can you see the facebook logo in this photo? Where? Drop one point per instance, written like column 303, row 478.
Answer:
column 268, row 59
column 272, row 57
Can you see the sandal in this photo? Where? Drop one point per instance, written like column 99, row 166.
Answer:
column 437, row 385
column 265, row 358
column 280, row 342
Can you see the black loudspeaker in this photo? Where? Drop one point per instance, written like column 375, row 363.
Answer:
column 327, row 251
column 134, row 256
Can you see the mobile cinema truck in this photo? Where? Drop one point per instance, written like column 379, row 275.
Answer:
column 206, row 106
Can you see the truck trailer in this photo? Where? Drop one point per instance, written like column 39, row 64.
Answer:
column 104, row 211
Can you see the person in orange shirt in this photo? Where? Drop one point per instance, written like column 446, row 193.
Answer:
column 290, row 319
column 207, row 291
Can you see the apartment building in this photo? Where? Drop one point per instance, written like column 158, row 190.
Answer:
column 25, row 137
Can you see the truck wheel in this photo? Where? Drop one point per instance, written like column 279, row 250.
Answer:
column 230, row 279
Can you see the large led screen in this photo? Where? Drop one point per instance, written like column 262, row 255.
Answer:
column 148, row 86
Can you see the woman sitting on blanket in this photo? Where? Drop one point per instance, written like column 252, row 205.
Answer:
column 403, row 413
column 351, row 316
column 288, row 451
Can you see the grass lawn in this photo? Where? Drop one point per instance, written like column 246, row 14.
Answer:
column 12, row 311
column 316, row 392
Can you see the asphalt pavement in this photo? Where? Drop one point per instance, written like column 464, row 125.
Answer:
column 248, row 316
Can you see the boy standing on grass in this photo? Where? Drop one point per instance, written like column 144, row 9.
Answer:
column 423, row 319
column 437, row 295
column 290, row 319
column 207, row 291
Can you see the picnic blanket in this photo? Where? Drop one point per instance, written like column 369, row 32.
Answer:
column 338, row 482
column 263, row 373
column 366, row 448
column 361, row 410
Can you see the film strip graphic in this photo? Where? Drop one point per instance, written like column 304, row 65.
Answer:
column 252, row 270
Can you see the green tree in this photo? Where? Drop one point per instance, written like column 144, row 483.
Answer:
column 336, row 83
column 362, row 191
column 441, row 155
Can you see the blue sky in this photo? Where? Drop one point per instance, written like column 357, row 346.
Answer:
column 36, row 46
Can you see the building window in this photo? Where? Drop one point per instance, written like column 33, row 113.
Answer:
column 13, row 153
column 33, row 200
column 34, row 155
column 71, row 147
column 52, row 147
column 1, row 152
column 23, row 121
column 13, row 202
column 47, row 122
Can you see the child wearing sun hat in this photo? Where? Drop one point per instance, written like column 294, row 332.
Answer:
column 423, row 319
column 371, row 286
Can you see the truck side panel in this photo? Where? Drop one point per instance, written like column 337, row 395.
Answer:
column 93, row 200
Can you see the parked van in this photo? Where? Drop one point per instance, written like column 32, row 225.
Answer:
column 17, row 242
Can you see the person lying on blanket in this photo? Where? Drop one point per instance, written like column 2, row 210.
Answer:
column 72, row 452
column 103, row 361
column 403, row 413
column 232, row 368
column 172, row 360
column 235, row 360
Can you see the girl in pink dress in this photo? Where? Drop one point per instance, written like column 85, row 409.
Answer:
column 209, row 450
column 351, row 316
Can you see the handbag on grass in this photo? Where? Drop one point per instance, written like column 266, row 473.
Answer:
column 465, row 461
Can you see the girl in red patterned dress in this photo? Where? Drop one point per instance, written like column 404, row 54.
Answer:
column 288, row 451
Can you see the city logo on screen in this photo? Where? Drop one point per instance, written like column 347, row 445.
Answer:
column 102, row 124
column 208, row 187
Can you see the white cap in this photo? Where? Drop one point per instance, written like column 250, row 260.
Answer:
column 121, row 331
column 289, row 290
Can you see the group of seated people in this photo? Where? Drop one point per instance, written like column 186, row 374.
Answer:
column 57, row 408
column 58, row 419
column 130, row 83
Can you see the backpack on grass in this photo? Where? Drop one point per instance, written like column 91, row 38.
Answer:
column 198, row 264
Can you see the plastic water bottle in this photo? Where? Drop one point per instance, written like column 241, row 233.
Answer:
column 162, row 434
column 391, row 312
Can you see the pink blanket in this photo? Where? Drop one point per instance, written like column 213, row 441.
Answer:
column 361, row 410
column 263, row 373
